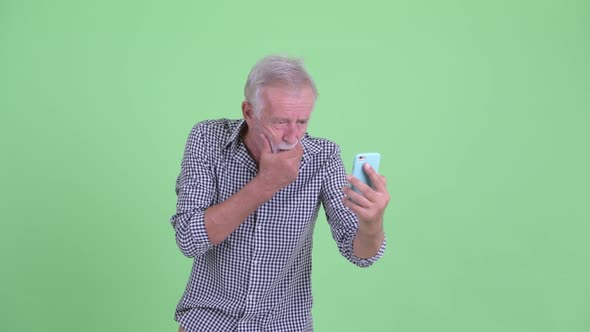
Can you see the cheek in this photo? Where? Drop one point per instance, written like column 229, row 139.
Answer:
column 272, row 132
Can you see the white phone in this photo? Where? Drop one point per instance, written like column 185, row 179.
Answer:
column 373, row 158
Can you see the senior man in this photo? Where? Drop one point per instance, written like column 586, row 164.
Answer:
column 249, row 193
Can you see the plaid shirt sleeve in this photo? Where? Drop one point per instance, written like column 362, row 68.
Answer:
column 343, row 222
column 196, row 192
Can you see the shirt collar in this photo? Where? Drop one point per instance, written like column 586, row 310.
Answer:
column 236, row 132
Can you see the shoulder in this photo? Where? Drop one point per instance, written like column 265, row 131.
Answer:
column 220, row 128
column 317, row 148
column 215, row 132
column 210, row 136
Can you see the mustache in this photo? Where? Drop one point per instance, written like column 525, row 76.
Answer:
column 283, row 146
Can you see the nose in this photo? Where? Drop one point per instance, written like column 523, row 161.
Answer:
column 291, row 134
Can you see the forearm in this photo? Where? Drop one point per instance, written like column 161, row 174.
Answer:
column 222, row 219
column 368, row 240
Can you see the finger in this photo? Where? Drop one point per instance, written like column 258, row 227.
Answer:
column 352, row 206
column 360, row 211
column 298, row 150
column 356, row 198
column 294, row 150
column 377, row 180
column 295, row 153
column 364, row 189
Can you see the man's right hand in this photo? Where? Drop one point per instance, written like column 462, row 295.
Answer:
column 278, row 170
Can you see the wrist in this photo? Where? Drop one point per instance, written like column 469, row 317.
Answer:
column 262, row 189
column 371, row 230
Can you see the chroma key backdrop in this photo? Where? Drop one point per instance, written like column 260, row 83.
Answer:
column 479, row 109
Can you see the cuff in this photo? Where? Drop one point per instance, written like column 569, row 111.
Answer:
column 364, row 262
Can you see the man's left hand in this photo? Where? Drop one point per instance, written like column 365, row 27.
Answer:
column 370, row 204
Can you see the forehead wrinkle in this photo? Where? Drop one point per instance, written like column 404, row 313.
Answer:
column 287, row 100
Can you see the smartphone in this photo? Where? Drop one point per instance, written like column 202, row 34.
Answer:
column 373, row 158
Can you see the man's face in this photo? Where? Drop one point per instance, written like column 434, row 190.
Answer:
column 283, row 118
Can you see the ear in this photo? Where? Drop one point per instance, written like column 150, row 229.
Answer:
column 247, row 111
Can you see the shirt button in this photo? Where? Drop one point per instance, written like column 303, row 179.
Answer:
column 254, row 262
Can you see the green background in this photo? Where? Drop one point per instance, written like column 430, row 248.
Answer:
column 479, row 109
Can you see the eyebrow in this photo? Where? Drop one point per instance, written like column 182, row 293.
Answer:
column 287, row 119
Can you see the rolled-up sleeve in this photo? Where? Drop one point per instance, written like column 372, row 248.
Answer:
column 195, row 189
column 343, row 222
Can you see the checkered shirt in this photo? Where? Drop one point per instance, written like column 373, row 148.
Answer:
column 259, row 277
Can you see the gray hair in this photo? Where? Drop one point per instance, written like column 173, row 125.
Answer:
column 276, row 70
